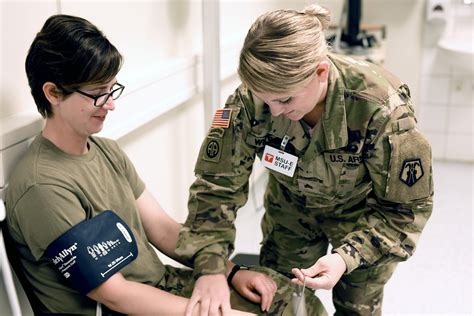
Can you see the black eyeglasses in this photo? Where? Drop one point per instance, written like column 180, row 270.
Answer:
column 100, row 100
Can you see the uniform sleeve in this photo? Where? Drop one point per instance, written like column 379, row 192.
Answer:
column 220, row 189
column 398, row 159
column 43, row 214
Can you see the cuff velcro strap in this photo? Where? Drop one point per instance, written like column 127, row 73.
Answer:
column 92, row 251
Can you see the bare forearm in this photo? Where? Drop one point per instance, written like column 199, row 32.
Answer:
column 161, row 229
column 135, row 298
column 130, row 297
column 166, row 242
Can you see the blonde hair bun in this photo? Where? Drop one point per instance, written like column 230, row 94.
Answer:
column 320, row 12
column 282, row 49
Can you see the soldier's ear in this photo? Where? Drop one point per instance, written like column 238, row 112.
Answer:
column 322, row 71
column 52, row 93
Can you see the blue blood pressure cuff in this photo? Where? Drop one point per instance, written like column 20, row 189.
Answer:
column 93, row 250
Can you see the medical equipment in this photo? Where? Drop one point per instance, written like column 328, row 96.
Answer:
column 298, row 301
column 352, row 37
column 92, row 251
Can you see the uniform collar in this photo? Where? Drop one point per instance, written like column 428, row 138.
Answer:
column 294, row 130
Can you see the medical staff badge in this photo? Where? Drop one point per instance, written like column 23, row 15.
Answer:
column 279, row 161
column 222, row 118
column 411, row 172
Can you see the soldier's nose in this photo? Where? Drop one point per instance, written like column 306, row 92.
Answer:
column 276, row 110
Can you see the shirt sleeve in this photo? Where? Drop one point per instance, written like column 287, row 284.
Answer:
column 136, row 183
column 222, row 173
column 398, row 159
column 44, row 213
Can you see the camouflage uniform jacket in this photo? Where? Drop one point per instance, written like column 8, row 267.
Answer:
column 363, row 177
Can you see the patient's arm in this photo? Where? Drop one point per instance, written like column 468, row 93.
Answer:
column 129, row 297
column 161, row 229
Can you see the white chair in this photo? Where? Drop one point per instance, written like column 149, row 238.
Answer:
column 15, row 136
column 6, row 270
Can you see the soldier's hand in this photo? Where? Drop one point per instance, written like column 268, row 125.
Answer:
column 212, row 294
column 324, row 274
column 256, row 287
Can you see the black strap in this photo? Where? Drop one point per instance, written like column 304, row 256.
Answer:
column 232, row 273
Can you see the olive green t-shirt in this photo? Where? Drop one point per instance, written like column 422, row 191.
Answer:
column 50, row 191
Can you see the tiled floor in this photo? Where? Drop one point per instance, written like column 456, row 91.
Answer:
column 438, row 279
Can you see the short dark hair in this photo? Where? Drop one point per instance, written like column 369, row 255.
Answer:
column 70, row 52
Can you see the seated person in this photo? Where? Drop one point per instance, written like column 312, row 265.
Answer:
column 62, row 188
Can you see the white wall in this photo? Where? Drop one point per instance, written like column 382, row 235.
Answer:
column 448, row 91
column 19, row 23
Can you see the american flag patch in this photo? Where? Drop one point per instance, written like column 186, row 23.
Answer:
column 222, row 118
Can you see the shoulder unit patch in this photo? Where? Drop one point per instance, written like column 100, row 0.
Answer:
column 213, row 149
column 411, row 172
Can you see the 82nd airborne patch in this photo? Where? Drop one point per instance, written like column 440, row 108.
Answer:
column 213, row 149
column 411, row 172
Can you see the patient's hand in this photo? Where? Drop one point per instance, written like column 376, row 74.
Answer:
column 212, row 293
column 256, row 287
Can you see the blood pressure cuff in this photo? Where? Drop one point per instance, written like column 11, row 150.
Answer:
column 93, row 250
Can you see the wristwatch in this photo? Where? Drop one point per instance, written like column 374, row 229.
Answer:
column 234, row 271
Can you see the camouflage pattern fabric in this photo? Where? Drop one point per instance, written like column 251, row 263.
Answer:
column 363, row 181
column 181, row 282
column 357, row 293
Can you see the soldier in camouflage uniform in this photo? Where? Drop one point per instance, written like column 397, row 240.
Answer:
column 348, row 166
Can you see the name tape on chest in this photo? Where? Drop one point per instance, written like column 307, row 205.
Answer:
column 342, row 158
column 279, row 161
column 92, row 251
